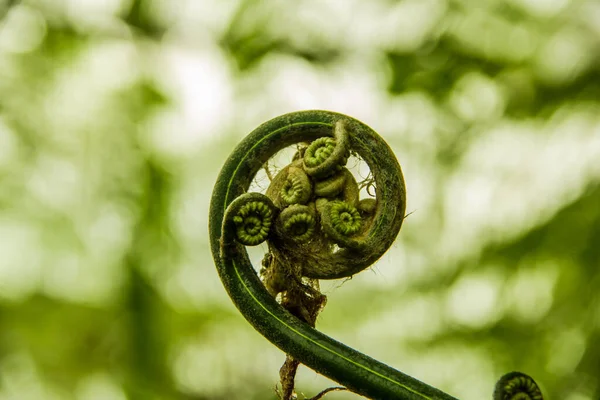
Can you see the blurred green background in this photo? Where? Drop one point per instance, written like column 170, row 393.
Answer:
column 116, row 116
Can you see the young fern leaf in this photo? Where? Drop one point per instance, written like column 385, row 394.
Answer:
column 316, row 227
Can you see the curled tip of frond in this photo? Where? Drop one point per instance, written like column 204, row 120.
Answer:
column 517, row 386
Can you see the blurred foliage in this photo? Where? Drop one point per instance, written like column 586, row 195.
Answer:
column 115, row 117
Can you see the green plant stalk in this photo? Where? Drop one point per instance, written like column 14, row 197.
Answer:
column 358, row 372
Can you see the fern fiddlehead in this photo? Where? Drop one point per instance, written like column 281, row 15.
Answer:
column 316, row 227
column 517, row 386
column 253, row 216
column 341, row 221
column 297, row 223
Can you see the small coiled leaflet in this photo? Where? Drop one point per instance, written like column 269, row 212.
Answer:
column 345, row 218
column 297, row 188
column 517, row 386
column 253, row 220
column 327, row 155
column 340, row 221
column 297, row 223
